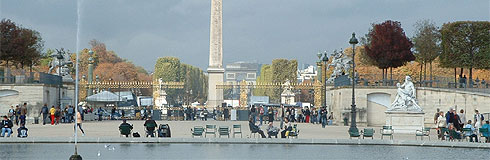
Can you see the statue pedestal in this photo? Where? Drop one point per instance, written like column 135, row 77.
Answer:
column 405, row 121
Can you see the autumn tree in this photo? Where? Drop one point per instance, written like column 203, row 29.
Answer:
column 427, row 45
column 280, row 71
column 466, row 44
column 388, row 46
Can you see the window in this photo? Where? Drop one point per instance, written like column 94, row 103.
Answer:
column 251, row 76
column 230, row 76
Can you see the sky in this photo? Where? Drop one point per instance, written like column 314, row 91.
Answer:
column 253, row 30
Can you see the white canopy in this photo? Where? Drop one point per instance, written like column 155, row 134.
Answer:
column 104, row 96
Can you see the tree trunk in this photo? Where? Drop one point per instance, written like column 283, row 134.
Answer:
column 421, row 70
column 461, row 74
column 430, row 68
column 425, row 74
column 391, row 75
column 455, row 78
column 470, row 82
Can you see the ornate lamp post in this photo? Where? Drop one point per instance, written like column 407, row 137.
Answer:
column 90, row 72
column 353, row 41
column 322, row 72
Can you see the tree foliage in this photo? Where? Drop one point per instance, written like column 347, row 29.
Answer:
column 169, row 69
column 280, row 71
column 19, row 45
column 426, row 41
column 466, row 44
column 389, row 47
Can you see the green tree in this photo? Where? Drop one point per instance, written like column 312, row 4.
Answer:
column 265, row 77
column 466, row 44
column 426, row 41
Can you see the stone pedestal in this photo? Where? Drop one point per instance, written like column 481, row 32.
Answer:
column 405, row 121
column 215, row 96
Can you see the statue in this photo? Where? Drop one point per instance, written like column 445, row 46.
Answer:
column 341, row 65
column 405, row 99
column 61, row 62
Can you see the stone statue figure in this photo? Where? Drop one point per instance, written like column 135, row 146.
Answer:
column 405, row 99
column 60, row 62
column 341, row 64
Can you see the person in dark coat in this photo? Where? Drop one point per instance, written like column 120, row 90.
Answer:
column 254, row 128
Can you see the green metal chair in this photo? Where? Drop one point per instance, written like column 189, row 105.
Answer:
column 198, row 131
column 425, row 132
column 150, row 125
column 294, row 132
column 354, row 132
column 125, row 130
column 445, row 132
column 224, row 131
column 466, row 130
column 237, row 129
column 210, row 129
column 387, row 131
column 483, row 132
column 368, row 132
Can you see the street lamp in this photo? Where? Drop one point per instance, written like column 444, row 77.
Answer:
column 353, row 41
column 322, row 74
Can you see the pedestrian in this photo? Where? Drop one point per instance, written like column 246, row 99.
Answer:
column 79, row 122
column 441, row 123
column 314, row 115
column 300, row 115
column 478, row 120
column 52, row 113
column 113, row 112
column 44, row 111
column 462, row 117
column 436, row 115
column 17, row 114
column 11, row 113
column 6, row 126
column 281, row 115
column 307, row 115
column 261, row 114
column 270, row 113
column 23, row 113
column 57, row 115
column 70, row 111
column 100, row 113
column 323, row 115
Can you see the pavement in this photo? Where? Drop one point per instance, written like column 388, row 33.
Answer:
column 107, row 131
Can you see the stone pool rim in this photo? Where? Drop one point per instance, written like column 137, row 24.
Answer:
column 366, row 142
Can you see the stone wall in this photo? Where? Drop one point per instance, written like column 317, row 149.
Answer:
column 35, row 95
column 371, row 100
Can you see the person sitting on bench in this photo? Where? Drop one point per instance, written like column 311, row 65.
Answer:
column 254, row 128
column 22, row 131
column 272, row 131
column 287, row 127
column 150, row 125
column 126, row 125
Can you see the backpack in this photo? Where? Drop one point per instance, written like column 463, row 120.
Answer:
column 136, row 134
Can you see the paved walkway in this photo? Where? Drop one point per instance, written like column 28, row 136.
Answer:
column 181, row 129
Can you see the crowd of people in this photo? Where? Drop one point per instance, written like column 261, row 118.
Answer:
column 18, row 115
column 456, row 126
column 294, row 114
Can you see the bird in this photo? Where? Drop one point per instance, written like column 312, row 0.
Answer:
column 98, row 154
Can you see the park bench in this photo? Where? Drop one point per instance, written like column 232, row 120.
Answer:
column 425, row 132
column 237, row 129
column 125, row 130
column 224, row 131
column 387, row 131
column 368, row 132
column 294, row 132
column 354, row 132
column 210, row 129
column 198, row 131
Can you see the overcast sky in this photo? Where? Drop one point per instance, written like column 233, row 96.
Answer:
column 253, row 30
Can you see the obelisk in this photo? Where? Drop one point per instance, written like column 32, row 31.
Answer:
column 215, row 69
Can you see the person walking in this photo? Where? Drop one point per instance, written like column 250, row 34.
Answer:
column 307, row 115
column 11, row 113
column 281, row 115
column 17, row 114
column 324, row 117
column 478, row 120
column 261, row 114
column 79, row 123
column 23, row 113
column 462, row 118
column 441, row 123
column 57, row 115
column 270, row 114
column 44, row 111
column 52, row 113
column 70, row 111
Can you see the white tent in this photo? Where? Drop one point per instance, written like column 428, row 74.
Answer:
column 104, row 96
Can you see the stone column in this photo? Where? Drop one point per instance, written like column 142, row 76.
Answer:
column 215, row 69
